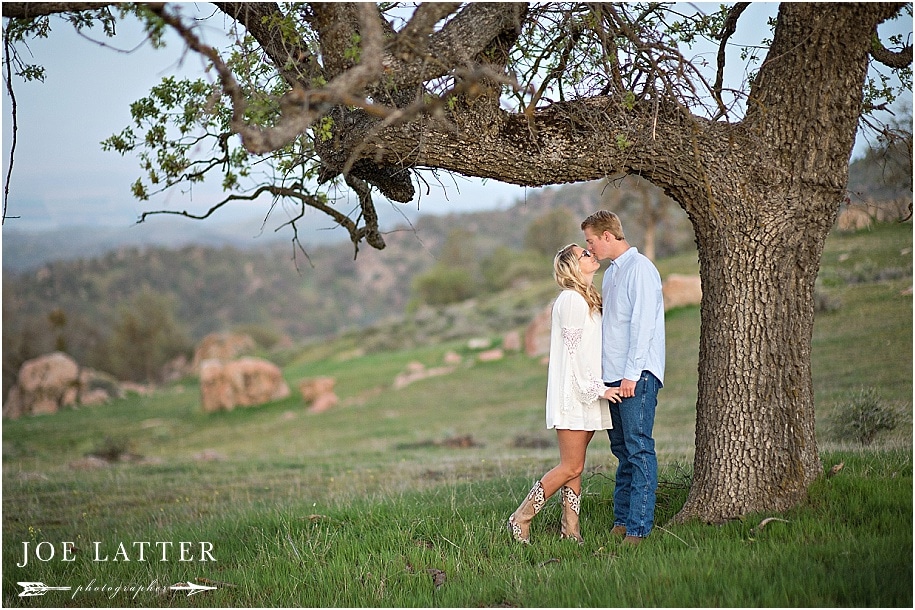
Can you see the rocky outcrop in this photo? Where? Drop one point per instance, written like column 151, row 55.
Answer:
column 511, row 341
column 244, row 382
column 854, row 219
column 222, row 346
column 537, row 333
column 52, row 381
column 417, row 371
column 681, row 290
column 44, row 385
column 318, row 393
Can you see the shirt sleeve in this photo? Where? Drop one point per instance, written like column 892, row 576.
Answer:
column 584, row 385
column 645, row 294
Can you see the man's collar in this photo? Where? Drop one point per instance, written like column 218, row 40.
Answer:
column 631, row 250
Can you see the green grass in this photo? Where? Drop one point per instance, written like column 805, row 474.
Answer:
column 364, row 505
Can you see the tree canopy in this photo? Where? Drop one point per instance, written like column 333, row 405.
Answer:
column 304, row 88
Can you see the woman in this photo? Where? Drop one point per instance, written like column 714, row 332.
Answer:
column 574, row 391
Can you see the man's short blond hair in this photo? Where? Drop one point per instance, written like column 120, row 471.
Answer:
column 604, row 220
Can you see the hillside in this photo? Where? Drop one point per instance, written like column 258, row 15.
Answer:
column 284, row 296
column 880, row 175
column 281, row 293
column 394, row 485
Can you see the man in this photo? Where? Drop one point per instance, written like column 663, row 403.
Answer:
column 633, row 360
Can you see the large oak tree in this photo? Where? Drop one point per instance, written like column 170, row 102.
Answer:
column 545, row 94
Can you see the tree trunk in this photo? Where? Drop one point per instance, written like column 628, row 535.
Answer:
column 761, row 223
column 756, row 447
column 652, row 213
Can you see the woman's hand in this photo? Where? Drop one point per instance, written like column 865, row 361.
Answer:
column 613, row 395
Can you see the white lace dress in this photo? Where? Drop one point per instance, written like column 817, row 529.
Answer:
column 573, row 381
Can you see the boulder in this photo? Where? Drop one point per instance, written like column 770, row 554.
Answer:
column 537, row 333
column 854, row 219
column 452, row 358
column 491, row 355
column 478, row 343
column 244, row 382
column 55, row 380
column 318, row 393
column 511, row 341
column 97, row 388
column 316, row 386
column 323, row 403
column 681, row 290
column 44, row 385
column 417, row 371
column 222, row 346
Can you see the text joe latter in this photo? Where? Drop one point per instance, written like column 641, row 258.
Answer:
column 145, row 550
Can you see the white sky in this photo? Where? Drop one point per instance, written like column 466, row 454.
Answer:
column 61, row 177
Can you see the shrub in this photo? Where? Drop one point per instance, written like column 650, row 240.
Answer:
column 444, row 285
column 112, row 449
column 864, row 416
column 825, row 303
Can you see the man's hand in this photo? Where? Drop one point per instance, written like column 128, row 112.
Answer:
column 627, row 388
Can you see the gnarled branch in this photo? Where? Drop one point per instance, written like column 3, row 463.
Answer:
column 29, row 10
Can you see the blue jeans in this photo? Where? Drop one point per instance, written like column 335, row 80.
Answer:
column 632, row 443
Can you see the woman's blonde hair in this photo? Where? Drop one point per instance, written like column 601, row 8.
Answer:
column 567, row 273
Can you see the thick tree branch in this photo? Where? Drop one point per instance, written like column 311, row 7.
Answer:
column 370, row 216
column 291, row 57
column 891, row 59
column 29, row 10
column 458, row 44
column 300, row 108
column 369, row 69
column 412, row 42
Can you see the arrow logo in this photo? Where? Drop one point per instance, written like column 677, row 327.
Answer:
column 33, row 589
column 191, row 588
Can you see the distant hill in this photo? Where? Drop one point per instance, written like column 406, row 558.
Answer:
column 880, row 175
column 219, row 281
column 23, row 250
column 884, row 172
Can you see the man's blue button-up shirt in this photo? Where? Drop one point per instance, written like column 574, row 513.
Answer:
column 633, row 319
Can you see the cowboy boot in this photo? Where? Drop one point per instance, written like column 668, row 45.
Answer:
column 571, row 507
column 519, row 524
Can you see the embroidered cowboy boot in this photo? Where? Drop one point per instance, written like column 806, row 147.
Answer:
column 519, row 524
column 571, row 507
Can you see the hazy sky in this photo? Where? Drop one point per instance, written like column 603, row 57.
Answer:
column 61, row 177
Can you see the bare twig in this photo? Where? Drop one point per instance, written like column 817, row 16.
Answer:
column 766, row 522
column 667, row 531
column 9, row 88
column 727, row 30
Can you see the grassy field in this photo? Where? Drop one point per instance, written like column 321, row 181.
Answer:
column 376, row 503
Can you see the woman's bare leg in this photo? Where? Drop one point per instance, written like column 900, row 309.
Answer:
column 573, row 447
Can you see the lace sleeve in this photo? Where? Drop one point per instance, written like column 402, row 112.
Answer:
column 571, row 339
column 586, row 390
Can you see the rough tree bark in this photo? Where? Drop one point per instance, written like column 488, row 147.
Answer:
column 762, row 193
